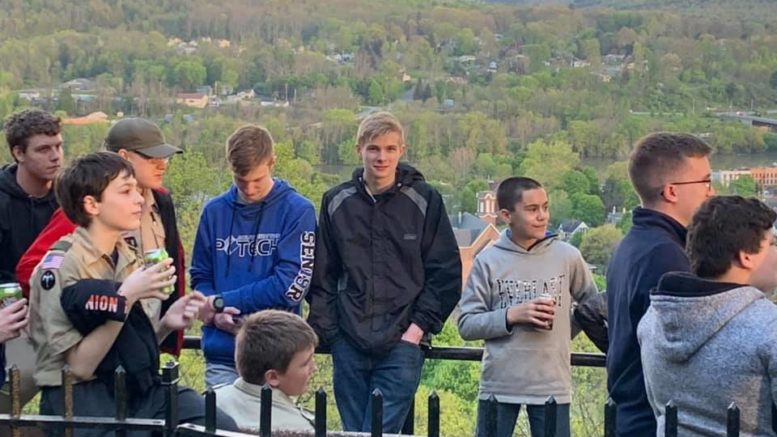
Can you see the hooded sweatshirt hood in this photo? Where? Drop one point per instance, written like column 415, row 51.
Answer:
column 690, row 310
column 704, row 345
column 21, row 219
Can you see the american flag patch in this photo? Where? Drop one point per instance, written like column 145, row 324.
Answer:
column 52, row 261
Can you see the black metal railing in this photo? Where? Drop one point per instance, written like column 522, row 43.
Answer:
column 671, row 423
column 121, row 424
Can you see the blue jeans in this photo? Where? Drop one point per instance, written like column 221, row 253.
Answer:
column 507, row 415
column 219, row 374
column 358, row 374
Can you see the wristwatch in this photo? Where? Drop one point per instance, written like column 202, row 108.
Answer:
column 218, row 303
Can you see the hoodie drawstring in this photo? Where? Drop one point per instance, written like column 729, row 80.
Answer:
column 229, row 241
column 256, row 229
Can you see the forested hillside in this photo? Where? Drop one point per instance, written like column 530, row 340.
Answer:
column 485, row 90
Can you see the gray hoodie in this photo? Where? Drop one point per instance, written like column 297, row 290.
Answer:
column 707, row 344
column 524, row 365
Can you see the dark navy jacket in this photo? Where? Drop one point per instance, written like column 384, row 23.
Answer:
column 655, row 245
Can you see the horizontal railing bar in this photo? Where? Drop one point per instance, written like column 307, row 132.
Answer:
column 449, row 353
column 30, row 420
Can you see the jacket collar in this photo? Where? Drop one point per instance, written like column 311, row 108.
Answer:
column 644, row 218
column 278, row 396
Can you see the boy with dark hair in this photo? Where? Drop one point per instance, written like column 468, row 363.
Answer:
column 27, row 199
column 27, row 202
column 387, row 272
column 99, row 193
column 514, row 291
column 671, row 174
column 274, row 348
column 253, row 251
column 708, row 338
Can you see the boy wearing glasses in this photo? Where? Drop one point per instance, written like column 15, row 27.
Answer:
column 671, row 174
column 142, row 143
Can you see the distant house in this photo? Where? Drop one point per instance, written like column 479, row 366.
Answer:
column 487, row 207
column 614, row 217
column 473, row 234
column 192, row 100
column 29, row 95
column 569, row 228
column 93, row 118
column 80, row 84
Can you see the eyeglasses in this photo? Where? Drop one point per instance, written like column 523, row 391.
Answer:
column 152, row 159
column 707, row 181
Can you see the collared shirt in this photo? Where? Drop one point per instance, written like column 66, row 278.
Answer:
column 51, row 332
column 242, row 401
column 150, row 235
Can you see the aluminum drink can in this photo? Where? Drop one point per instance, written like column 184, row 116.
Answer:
column 155, row 256
column 10, row 292
column 549, row 327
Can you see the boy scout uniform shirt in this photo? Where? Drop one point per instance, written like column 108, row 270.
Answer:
column 72, row 258
column 150, row 235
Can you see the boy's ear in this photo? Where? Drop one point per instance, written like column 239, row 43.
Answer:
column 90, row 205
column 123, row 153
column 18, row 153
column 271, row 377
column 504, row 215
column 745, row 260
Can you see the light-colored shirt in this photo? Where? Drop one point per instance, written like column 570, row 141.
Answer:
column 242, row 401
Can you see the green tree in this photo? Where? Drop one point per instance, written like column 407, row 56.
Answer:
column 189, row 74
column 599, row 243
column 560, row 206
column 744, row 186
column 574, row 182
column 588, row 208
column 66, row 103
column 548, row 162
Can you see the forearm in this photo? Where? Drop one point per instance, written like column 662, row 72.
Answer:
column 163, row 332
column 84, row 357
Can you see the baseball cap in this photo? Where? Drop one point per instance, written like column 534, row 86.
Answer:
column 141, row 136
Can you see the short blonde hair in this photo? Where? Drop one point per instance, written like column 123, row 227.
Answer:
column 249, row 147
column 377, row 124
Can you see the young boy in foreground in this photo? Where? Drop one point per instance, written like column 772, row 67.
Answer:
column 275, row 348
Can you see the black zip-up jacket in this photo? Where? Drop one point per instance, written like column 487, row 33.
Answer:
column 21, row 219
column 383, row 262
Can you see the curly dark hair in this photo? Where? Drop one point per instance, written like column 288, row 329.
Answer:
column 19, row 127
column 721, row 228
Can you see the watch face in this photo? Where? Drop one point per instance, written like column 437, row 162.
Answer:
column 218, row 303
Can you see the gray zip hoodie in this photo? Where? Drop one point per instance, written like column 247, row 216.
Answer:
column 707, row 344
column 523, row 364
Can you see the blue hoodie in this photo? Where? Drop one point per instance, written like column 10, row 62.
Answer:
column 257, row 256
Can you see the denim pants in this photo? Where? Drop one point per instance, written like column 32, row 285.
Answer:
column 219, row 374
column 358, row 374
column 507, row 415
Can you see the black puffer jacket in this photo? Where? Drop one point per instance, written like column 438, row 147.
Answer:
column 383, row 262
column 21, row 220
